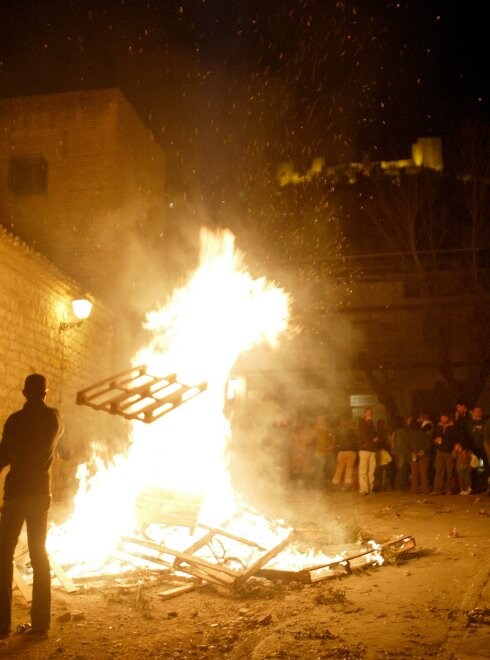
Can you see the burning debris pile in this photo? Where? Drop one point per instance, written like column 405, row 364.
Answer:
column 218, row 557
column 168, row 506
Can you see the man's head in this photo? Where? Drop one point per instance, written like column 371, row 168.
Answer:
column 445, row 418
column 35, row 387
column 461, row 406
column 368, row 413
column 477, row 412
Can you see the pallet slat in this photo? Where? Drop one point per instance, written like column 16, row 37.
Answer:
column 136, row 394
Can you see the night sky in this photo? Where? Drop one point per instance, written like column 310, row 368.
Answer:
column 230, row 88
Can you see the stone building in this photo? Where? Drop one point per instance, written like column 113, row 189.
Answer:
column 81, row 212
column 35, row 300
column 82, row 181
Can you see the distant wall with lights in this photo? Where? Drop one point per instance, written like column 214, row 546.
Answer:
column 35, row 300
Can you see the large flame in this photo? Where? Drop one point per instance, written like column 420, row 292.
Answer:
column 222, row 312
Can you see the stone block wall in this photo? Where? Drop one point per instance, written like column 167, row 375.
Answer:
column 104, row 184
column 35, row 298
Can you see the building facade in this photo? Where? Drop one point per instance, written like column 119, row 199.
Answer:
column 38, row 334
column 82, row 181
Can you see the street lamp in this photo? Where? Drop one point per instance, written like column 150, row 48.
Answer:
column 82, row 307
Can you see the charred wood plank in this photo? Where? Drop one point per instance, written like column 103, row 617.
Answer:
column 65, row 580
column 24, row 588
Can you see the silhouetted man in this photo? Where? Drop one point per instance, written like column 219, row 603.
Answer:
column 28, row 445
column 368, row 444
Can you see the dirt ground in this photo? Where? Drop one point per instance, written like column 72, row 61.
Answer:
column 433, row 603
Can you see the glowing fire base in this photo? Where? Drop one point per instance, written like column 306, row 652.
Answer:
column 158, row 510
column 223, row 559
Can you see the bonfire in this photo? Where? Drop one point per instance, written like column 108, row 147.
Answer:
column 177, row 464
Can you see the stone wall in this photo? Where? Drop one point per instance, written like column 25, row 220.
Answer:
column 35, row 298
column 103, row 190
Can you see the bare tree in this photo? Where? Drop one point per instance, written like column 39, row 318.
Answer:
column 439, row 243
column 471, row 154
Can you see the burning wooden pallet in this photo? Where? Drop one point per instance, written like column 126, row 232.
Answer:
column 342, row 566
column 208, row 560
column 166, row 507
column 213, row 558
column 136, row 394
column 230, row 573
column 217, row 557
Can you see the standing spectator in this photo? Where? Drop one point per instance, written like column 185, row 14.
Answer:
column 323, row 452
column 446, row 436
column 486, row 447
column 28, row 445
column 478, row 475
column 476, row 429
column 368, row 443
column 299, row 461
column 428, row 427
column 462, row 422
column 346, row 445
column 426, row 424
column 383, row 457
column 419, row 443
column 462, row 459
column 401, row 454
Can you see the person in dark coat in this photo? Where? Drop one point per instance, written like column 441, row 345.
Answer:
column 419, row 443
column 446, row 437
column 401, row 454
column 28, row 445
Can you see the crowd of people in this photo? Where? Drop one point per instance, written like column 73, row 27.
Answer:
column 447, row 456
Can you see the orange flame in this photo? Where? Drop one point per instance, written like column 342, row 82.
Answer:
column 222, row 312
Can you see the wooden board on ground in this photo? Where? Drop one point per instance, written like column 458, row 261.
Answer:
column 172, row 592
column 24, row 588
column 65, row 580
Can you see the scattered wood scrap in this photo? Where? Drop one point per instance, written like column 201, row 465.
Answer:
column 64, row 579
column 179, row 589
column 24, row 588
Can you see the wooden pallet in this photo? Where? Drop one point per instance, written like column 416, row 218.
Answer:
column 220, row 573
column 344, row 566
column 166, row 507
column 136, row 394
column 212, row 558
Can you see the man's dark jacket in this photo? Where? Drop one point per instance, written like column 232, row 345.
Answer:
column 28, row 445
column 367, row 434
column 449, row 436
column 418, row 440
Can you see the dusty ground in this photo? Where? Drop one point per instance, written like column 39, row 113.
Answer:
column 420, row 607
